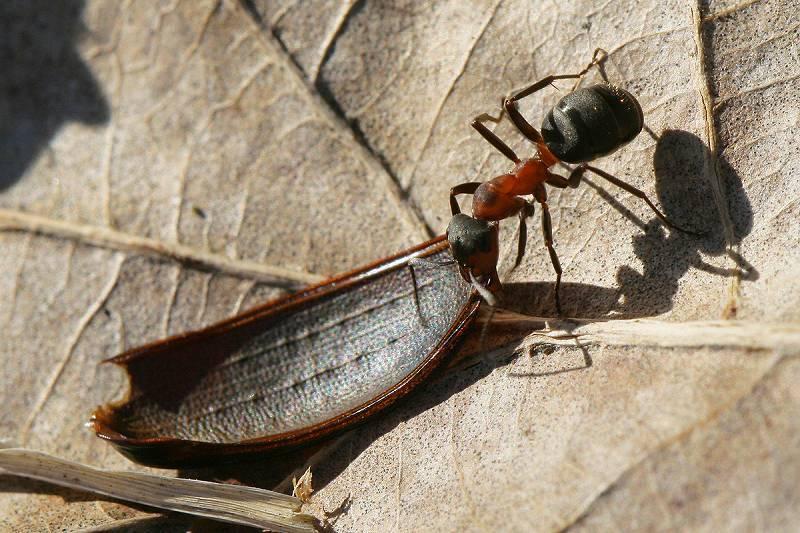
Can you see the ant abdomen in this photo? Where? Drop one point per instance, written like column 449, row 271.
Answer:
column 592, row 122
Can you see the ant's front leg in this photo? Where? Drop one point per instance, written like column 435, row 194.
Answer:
column 464, row 188
column 524, row 213
column 547, row 230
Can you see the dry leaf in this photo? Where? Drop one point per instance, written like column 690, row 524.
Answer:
column 233, row 141
column 230, row 503
column 301, row 488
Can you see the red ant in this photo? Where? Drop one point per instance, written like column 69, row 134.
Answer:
column 584, row 125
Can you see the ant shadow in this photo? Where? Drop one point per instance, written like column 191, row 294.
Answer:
column 685, row 197
column 44, row 81
column 666, row 255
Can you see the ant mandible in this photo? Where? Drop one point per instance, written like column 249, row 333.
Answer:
column 584, row 125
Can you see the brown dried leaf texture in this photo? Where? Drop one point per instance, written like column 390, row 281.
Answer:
column 316, row 136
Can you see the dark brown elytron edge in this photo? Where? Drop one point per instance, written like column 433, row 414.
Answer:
column 293, row 370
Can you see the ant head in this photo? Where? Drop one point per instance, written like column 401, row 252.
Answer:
column 475, row 247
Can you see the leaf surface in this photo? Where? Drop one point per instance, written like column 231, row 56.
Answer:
column 247, row 138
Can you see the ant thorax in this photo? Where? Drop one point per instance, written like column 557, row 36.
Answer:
column 529, row 174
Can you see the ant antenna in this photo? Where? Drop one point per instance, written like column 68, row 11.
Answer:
column 598, row 58
column 485, row 293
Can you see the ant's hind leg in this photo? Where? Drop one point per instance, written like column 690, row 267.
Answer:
column 547, row 231
column 572, row 182
column 464, row 188
column 598, row 57
column 639, row 194
column 493, row 139
column 510, row 104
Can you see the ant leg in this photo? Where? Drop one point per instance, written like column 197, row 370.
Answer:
column 510, row 104
column 575, row 176
column 547, row 232
column 416, row 295
column 413, row 262
column 572, row 182
column 521, row 124
column 526, row 211
column 464, row 188
column 486, row 117
column 639, row 194
column 493, row 139
column 598, row 57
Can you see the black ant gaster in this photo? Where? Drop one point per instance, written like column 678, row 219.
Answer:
column 585, row 124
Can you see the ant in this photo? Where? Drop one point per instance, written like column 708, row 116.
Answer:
column 584, row 125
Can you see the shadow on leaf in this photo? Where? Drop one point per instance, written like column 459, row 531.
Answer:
column 44, row 81
column 688, row 198
column 666, row 256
